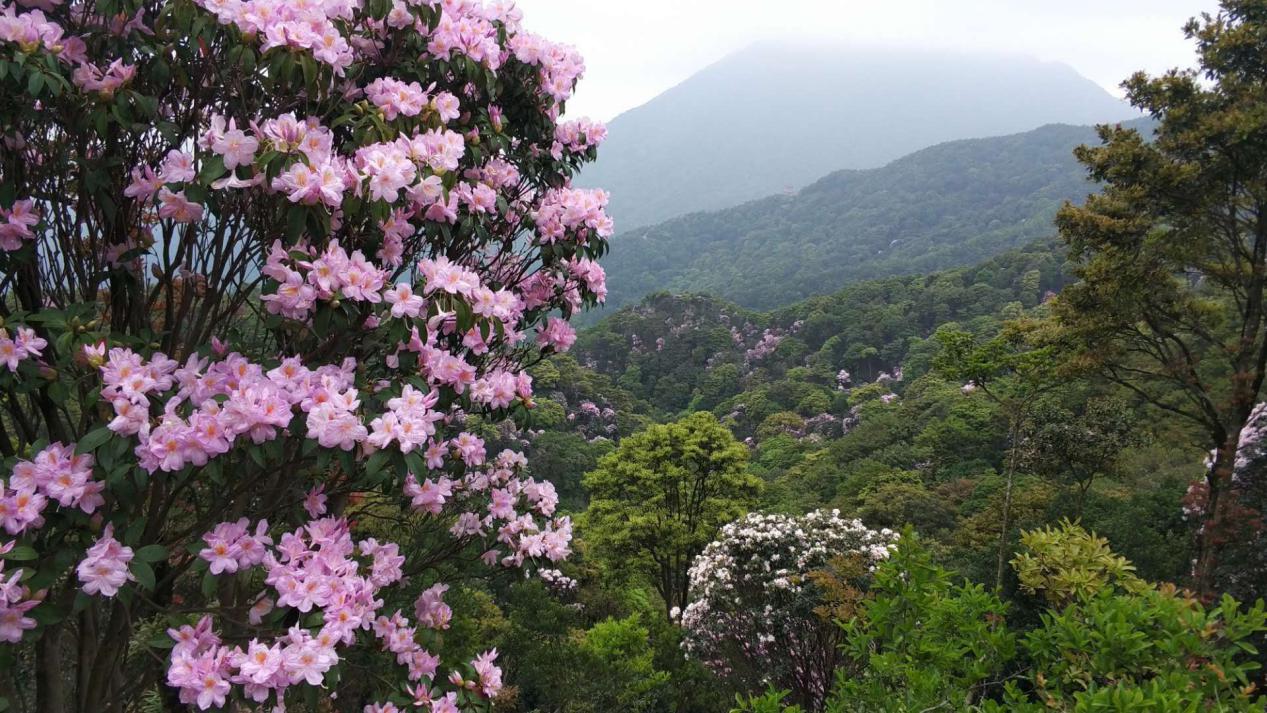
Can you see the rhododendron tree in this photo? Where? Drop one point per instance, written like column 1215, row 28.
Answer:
column 258, row 259
column 767, row 595
column 1243, row 570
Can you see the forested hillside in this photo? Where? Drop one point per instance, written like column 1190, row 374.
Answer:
column 776, row 117
column 952, row 204
column 846, row 401
column 295, row 414
column 694, row 352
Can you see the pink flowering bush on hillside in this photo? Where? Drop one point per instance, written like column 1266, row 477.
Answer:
column 765, row 596
column 260, row 258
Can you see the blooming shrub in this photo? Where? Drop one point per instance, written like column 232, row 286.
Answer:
column 259, row 258
column 761, row 614
column 1242, row 532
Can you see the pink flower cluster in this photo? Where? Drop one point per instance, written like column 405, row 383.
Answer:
column 489, row 681
column 255, row 404
column 313, row 569
column 55, row 473
column 15, row 602
column 204, row 670
column 226, row 140
column 556, row 581
column 410, row 423
column 387, row 168
column 330, row 274
column 592, row 274
column 298, row 25
column 399, row 637
column 320, row 177
column 177, row 167
column 454, row 182
column 468, row 28
column 24, row 345
column 560, row 65
column 578, row 136
column 397, row 98
column 231, row 546
column 577, row 210
column 105, row 568
column 499, row 485
column 91, row 78
column 32, row 30
column 16, row 223
column 430, row 609
column 770, row 341
column 557, row 335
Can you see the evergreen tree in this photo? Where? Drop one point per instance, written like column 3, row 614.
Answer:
column 1172, row 254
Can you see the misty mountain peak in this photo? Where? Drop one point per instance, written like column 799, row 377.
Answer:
column 773, row 117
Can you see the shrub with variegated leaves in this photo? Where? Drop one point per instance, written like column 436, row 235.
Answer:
column 258, row 258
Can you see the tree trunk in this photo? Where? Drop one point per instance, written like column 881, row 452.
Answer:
column 1013, row 435
column 50, row 691
column 1214, row 525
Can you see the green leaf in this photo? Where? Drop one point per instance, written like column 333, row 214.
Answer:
column 58, row 392
column 144, row 575
column 257, row 456
column 93, row 440
column 309, row 66
column 152, row 553
column 48, row 614
column 209, row 585
column 134, row 531
column 296, row 222
column 161, row 641
column 21, row 553
column 212, row 168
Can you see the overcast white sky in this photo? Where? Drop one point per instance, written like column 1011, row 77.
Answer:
column 635, row 49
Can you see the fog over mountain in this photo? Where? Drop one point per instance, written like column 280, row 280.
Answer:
column 773, row 118
column 948, row 205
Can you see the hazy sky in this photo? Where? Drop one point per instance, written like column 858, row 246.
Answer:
column 635, row 49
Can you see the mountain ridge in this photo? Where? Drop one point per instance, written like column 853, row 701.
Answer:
column 771, row 118
column 943, row 206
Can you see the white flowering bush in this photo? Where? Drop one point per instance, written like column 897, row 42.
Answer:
column 761, row 610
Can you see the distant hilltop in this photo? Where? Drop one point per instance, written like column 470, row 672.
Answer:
column 948, row 205
column 772, row 117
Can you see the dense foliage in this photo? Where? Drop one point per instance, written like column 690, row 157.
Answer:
column 659, row 498
column 923, row 641
column 1172, row 255
column 962, row 404
column 949, row 205
column 697, row 352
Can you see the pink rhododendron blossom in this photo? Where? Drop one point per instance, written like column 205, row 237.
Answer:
column 242, row 338
column 15, row 224
column 396, row 98
column 105, row 569
column 573, row 211
column 558, row 335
